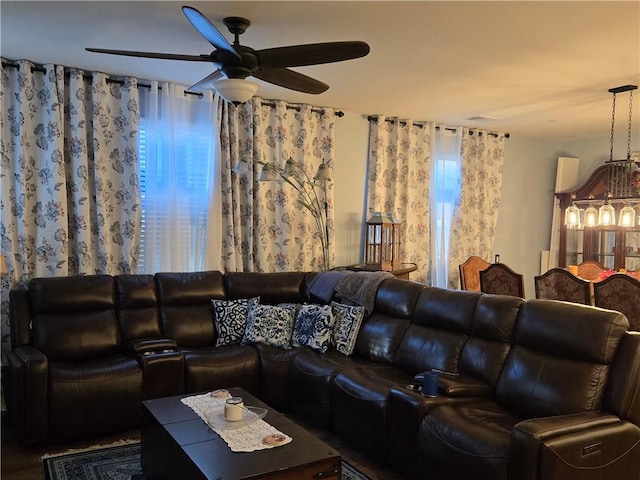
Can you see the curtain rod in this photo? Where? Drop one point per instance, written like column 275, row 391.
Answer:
column 337, row 113
column 373, row 118
column 42, row 69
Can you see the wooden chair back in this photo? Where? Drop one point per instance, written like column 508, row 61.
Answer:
column 560, row 284
column 499, row 279
column 590, row 270
column 470, row 273
column 620, row 292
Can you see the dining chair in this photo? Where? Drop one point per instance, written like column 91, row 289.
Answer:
column 620, row 292
column 499, row 279
column 470, row 273
column 560, row 284
column 590, row 270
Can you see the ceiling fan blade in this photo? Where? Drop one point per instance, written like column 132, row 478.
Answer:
column 165, row 56
column 293, row 80
column 212, row 77
column 311, row 54
column 207, row 30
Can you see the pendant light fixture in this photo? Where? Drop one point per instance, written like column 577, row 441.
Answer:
column 622, row 186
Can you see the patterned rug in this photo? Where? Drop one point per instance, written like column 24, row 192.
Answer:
column 120, row 462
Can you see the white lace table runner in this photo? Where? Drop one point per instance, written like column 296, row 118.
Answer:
column 243, row 439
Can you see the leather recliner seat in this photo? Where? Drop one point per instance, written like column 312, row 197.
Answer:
column 313, row 375
column 478, row 368
column 557, row 367
column 186, row 316
column 436, row 331
column 75, row 378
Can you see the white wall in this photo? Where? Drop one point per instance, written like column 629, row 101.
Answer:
column 526, row 207
column 352, row 146
column 524, row 219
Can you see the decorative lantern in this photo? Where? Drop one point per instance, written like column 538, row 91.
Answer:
column 382, row 247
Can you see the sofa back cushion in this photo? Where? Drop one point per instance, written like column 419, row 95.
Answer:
column 186, row 313
column 440, row 327
column 272, row 288
column 560, row 361
column 381, row 332
column 74, row 318
column 137, row 307
column 486, row 350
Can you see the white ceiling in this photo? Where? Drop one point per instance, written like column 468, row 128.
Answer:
column 542, row 68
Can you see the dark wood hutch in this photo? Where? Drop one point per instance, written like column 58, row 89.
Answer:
column 614, row 247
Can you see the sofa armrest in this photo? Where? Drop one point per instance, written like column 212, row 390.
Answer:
column 462, row 386
column 563, row 446
column 406, row 408
column 27, row 396
column 147, row 346
column 162, row 366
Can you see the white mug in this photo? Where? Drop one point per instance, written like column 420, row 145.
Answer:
column 233, row 409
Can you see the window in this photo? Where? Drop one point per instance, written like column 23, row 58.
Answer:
column 176, row 166
column 445, row 190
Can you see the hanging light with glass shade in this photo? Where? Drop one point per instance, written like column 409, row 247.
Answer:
column 627, row 217
column 590, row 216
column 606, row 214
column 572, row 214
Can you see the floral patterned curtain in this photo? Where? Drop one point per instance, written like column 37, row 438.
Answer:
column 476, row 212
column 264, row 227
column 69, row 179
column 398, row 182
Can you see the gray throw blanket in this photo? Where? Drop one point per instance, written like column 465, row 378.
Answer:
column 323, row 285
column 359, row 288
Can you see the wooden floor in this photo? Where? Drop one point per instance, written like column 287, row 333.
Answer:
column 23, row 463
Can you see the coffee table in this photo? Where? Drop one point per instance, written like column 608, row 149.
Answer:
column 177, row 445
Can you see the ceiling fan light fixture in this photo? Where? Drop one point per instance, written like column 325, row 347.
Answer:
column 235, row 90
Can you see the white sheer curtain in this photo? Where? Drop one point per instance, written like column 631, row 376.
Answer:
column 179, row 174
column 446, row 167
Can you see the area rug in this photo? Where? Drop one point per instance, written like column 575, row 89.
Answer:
column 121, row 462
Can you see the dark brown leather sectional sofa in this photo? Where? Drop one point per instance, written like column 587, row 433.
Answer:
column 535, row 389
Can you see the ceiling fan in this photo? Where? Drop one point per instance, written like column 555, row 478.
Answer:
column 235, row 62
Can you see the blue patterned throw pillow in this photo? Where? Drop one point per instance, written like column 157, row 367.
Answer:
column 231, row 319
column 347, row 325
column 313, row 327
column 270, row 325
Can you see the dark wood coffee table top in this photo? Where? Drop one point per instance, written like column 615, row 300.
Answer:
column 177, row 444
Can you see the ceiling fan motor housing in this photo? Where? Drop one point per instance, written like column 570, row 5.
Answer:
column 234, row 67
